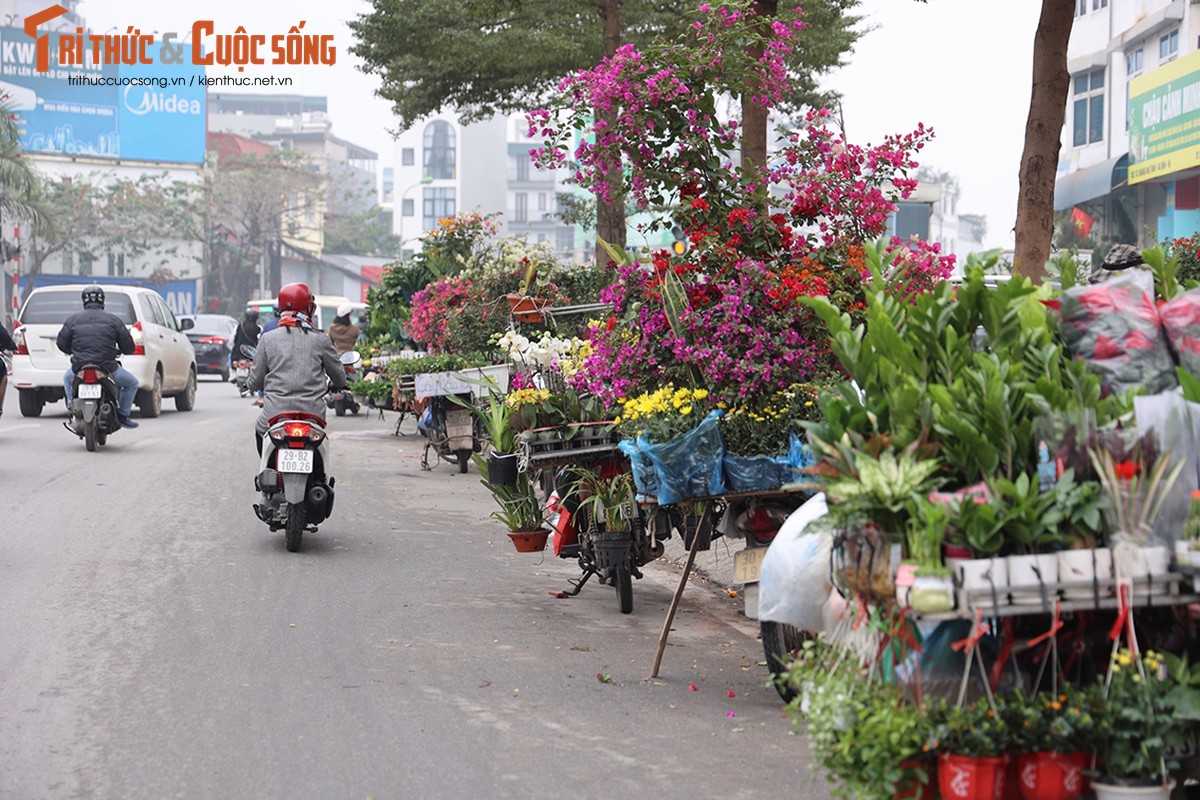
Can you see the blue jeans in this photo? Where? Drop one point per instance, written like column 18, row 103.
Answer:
column 124, row 378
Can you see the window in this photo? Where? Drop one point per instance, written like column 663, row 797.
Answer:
column 541, row 201
column 439, row 150
column 151, row 313
column 520, row 207
column 1081, row 8
column 407, row 157
column 116, row 264
column 436, row 204
column 522, row 165
column 408, row 207
column 565, row 238
column 165, row 311
column 85, row 263
column 1099, row 4
column 1168, row 45
column 1089, row 108
column 1133, row 62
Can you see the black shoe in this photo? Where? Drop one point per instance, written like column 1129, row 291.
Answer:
column 126, row 422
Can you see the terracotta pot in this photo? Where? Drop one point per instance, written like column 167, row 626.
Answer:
column 911, row 786
column 964, row 778
column 1051, row 776
column 526, row 308
column 529, row 541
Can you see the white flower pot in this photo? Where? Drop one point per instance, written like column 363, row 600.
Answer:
column 1107, row 791
column 929, row 594
column 1032, row 579
column 983, row 582
column 1145, row 566
column 1092, row 567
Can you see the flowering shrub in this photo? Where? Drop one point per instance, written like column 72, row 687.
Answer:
column 1187, row 249
column 663, row 414
column 452, row 315
column 763, row 430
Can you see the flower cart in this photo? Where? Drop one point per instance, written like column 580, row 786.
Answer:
column 451, row 430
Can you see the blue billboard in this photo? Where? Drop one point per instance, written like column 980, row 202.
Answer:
column 143, row 112
column 179, row 294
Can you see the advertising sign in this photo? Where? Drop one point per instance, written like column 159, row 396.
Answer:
column 142, row 111
column 1164, row 120
column 179, row 294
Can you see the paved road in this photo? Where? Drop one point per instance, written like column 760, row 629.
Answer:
column 157, row 642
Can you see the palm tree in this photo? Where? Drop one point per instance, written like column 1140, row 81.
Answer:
column 20, row 183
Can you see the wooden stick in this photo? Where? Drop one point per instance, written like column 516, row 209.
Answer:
column 687, row 570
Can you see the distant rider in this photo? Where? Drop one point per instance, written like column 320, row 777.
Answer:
column 293, row 361
column 95, row 336
column 247, row 333
column 343, row 332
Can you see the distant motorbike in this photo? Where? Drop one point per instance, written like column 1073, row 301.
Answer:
column 241, row 373
column 94, row 406
column 451, row 430
column 341, row 400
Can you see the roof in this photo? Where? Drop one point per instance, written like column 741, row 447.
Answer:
column 232, row 146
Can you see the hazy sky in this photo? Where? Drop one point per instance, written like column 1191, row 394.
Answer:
column 959, row 66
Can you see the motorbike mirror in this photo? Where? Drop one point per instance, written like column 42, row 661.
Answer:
column 248, row 351
column 350, row 358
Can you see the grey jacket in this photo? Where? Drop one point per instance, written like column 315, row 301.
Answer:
column 290, row 366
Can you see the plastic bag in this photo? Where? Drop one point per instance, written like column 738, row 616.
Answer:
column 800, row 456
column 643, row 469
column 690, row 465
column 793, row 584
column 1115, row 326
column 1181, row 321
column 751, row 473
column 1176, row 424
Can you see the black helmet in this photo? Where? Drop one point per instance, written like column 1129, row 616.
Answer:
column 92, row 296
column 252, row 315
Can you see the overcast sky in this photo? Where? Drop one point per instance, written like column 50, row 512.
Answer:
column 962, row 67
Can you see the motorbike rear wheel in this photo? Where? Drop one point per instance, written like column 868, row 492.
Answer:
column 780, row 641
column 297, row 518
column 89, row 435
column 464, row 458
column 339, row 407
column 624, row 584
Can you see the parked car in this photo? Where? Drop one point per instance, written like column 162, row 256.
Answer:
column 212, row 338
column 164, row 361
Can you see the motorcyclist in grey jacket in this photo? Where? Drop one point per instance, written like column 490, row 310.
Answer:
column 95, row 336
column 293, row 361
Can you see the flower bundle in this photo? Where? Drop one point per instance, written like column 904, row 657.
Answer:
column 663, row 414
column 1136, row 487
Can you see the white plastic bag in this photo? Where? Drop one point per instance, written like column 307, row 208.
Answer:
column 793, row 584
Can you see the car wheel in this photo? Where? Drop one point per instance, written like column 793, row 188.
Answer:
column 150, row 401
column 31, row 404
column 186, row 400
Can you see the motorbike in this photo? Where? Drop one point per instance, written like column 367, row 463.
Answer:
column 293, row 474
column 94, row 406
column 341, row 400
column 451, row 431
column 241, row 371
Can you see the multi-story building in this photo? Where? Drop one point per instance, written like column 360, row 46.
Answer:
column 1130, row 157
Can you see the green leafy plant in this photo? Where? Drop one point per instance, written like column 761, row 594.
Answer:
column 1138, row 722
column 493, row 413
column 979, row 527
column 880, row 488
column 976, row 730
column 611, row 500
column 379, row 391
column 1080, row 507
column 1065, row 721
column 1029, row 517
column 928, row 523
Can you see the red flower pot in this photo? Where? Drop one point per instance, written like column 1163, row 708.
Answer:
column 525, row 308
column 529, row 541
column 911, row 786
column 965, row 778
column 1051, row 776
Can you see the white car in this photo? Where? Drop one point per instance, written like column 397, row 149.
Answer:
column 164, row 361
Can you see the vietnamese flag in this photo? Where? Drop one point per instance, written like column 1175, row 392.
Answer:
column 1083, row 222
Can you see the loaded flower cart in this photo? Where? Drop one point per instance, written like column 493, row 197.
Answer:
column 1012, row 490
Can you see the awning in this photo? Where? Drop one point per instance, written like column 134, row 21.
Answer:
column 1090, row 182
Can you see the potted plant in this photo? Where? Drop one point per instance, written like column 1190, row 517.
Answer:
column 972, row 743
column 931, row 588
column 1080, row 505
column 761, row 444
column 520, row 512
column 1137, row 730
column 1030, row 522
column 977, row 529
column 1053, row 734
column 610, row 504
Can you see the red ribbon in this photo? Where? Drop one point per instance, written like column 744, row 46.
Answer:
column 861, row 608
column 979, row 631
column 1122, row 614
column 1055, row 626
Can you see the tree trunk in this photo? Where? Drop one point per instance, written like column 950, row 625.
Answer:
column 1043, row 131
column 610, row 214
column 754, row 115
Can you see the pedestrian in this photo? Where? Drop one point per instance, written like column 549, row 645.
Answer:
column 1120, row 258
column 7, row 347
column 343, row 332
column 293, row 362
column 95, row 336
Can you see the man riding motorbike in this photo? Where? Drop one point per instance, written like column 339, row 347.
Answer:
column 293, row 361
column 95, row 336
column 247, row 333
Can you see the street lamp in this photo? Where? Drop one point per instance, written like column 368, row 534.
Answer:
column 428, row 179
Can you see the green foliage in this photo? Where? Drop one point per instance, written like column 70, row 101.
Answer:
column 379, row 391
column 880, row 488
column 402, row 367
column 928, row 523
column 1066, row 721
column 21, row 194
column 1030, row 517
column 764, row 429
column 493, row 414
column 362, row 233
column 975, row 730
column 1165, row 270
column 610, row 499
column 1138, row 721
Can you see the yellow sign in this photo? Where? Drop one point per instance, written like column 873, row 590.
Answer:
column 1164, row 120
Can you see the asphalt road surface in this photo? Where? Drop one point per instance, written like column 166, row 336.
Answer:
column 156, row 641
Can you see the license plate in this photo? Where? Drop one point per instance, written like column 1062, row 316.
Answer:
column 241, row 373
column 747, row 564
column 294, row 461
column 90, row 391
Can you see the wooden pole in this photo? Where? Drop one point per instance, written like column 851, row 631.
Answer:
column 687, row 570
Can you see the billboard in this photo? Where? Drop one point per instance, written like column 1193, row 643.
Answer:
column 143, row 112
column 180, row 294
column 1164, row 120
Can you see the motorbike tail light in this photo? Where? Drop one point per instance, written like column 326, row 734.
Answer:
column 762, row 525
column 139, row 346
column 211, row 340
column 297, row 430
column 90, row 376
column 19, row 337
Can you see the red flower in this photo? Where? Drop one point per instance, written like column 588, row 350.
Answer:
column 610, row 323
column 700, row 204
column 1126, row 470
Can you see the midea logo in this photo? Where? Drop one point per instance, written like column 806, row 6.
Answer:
column 142, row 100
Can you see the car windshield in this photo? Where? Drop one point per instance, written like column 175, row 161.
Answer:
column 209, row 325
column 54, row 306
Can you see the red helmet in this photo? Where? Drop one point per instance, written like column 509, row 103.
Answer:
column 296, row 297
